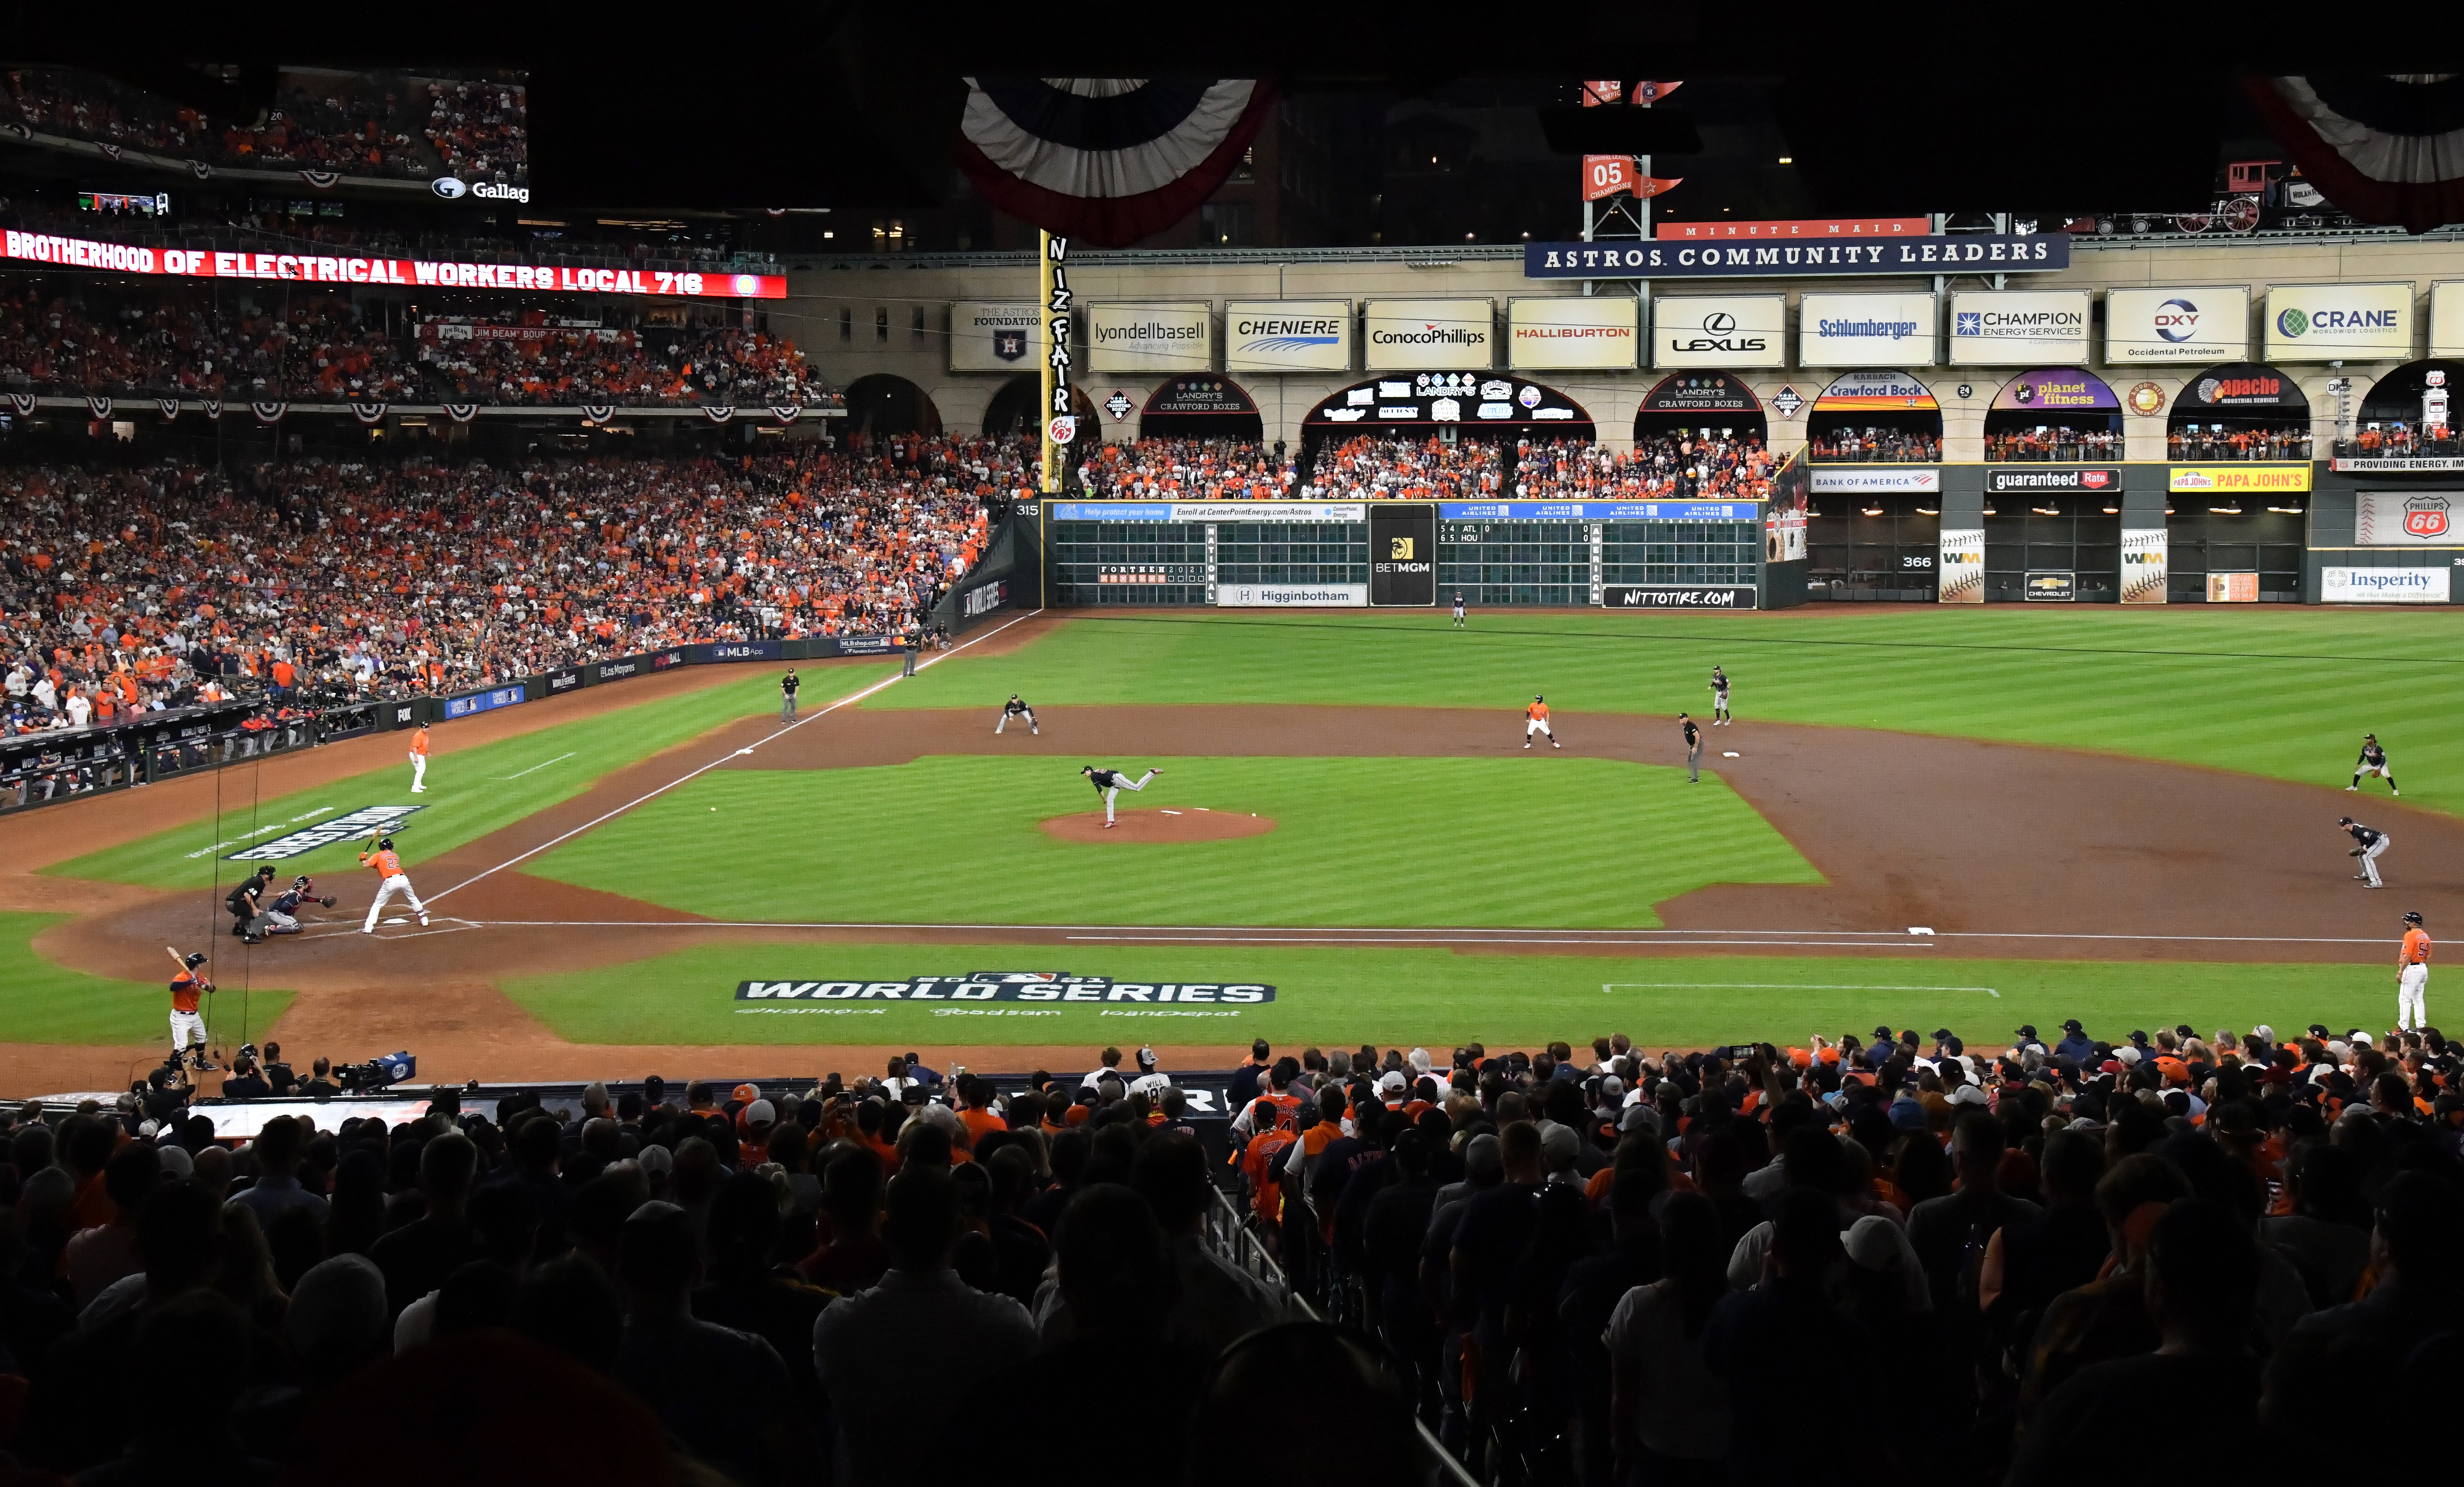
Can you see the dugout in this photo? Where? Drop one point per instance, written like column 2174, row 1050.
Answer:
column 1691, row 404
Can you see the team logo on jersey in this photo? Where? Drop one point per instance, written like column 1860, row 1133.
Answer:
column 2426, row 516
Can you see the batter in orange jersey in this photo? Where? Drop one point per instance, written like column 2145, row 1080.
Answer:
column 391, row 881
column 2412, row 978
column 1535, row 720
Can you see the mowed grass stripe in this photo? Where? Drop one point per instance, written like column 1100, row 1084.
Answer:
column 2281, row 691
column 1380, row 842
column 43, row 1003
column 1342, row 996
column 468, row 796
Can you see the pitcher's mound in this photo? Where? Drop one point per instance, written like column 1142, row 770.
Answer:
column 1187, row 825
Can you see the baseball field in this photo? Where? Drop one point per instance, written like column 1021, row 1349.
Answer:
column 1925, row 816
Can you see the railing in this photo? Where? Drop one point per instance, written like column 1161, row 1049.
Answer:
column 1226, row 1232
column 2400, row 444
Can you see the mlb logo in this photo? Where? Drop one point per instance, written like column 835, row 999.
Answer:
column 1009, row 345
column 1967, row 322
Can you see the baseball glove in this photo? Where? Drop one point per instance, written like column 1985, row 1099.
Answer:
column 2355, row 852
column 327, row 901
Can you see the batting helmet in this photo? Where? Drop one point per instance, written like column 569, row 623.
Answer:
column 1536, row 698
column 386, row 846
column 2414, row 917
column 193, row 959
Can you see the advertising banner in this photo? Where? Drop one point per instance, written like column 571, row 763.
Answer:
column 2232, row 588
column 556, row 682
column 2446, row 319
column 1151, row 337
column 618, row 669
column 1794, row 230
column 1865, row 329
column 2143, row 553
column 2382, row 585
column 2238, row 479
column 1966, row 253
column 2018, row 326
column 77, row 253
column 2051, row 589
column 2242, row 385
column 868, row 645
column 1403, row 334
column 1007, row 986
column 1875, row 392
column 1961, row 568
column 1402, row 554
column 1209, row 395
column 1427, row 398
column 1700, row 392
column 1719, row 330
column 994, row 337
column 2209, row 322
column 485, row 701
column 1653, row 595
column 2408, row 519
column 1288, row 336
column 1292, row 596
column 1568, row 330
column 2057, row 389
column 737, row 650
column 1906, row 479
column 2029, row 479
column 2340, row 322
column 1597, row 511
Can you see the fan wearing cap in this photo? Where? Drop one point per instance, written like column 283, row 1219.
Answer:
column 2076, row 1047
column 2412, row 976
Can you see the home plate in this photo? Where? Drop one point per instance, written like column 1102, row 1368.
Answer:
column 1730, row 754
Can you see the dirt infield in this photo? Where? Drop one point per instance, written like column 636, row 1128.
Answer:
column 2000, row 850
column 1194, row 825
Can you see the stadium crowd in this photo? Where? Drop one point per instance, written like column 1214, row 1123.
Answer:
column 2402, row 439
column 364, row 124
column 322, row 581
column 1875, row 445
column 1695, row 464
column 1579, row 1266
column 311, row 346
column 2053, row 443
column 2220, row 441
column 1185, row 469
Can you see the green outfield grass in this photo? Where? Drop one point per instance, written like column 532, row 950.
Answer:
column 2284, row 692
column 1358, row 841
column 41, row 1002
column 1341, row 997
column 471, row 792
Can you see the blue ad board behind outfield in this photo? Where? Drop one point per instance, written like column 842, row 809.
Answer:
column 1597, row 511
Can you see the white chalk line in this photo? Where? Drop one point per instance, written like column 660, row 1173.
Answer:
column 1607, row 987
column 535, row 768
column 732, row 753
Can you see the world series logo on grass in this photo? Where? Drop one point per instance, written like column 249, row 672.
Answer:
column 1033, row 985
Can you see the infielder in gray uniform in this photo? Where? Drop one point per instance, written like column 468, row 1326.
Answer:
column 1110, row 784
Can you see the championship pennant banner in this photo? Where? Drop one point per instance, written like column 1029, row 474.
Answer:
column 77, row 253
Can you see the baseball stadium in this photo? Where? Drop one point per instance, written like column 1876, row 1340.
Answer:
column 1545, row 724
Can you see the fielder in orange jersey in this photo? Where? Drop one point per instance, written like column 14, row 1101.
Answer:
column 1535, row 720
column 391, row 881
column 2412, row 978
column 419, row 760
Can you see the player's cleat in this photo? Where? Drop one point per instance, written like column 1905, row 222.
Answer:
column 2349, row 789
column 1108, row 825
column 423, row 919
column 2392, row 790
column 1527, row 746
column 2361, row 877
column 252, row 939
column 1555, row 744
column 367, row 931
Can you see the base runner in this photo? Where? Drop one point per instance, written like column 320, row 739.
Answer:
column 188, row 1024
column 2412, row 978
column 419, row 760
column 2373, row 761
column 391, row 881
column 1535, row 720
column 1015, row 709
column 2372, row 842
column 1719, row 698
column 1110, row 784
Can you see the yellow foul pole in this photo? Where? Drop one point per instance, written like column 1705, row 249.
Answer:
column 1053, row 294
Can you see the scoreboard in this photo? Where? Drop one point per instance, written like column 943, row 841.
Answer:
column 1404, row 553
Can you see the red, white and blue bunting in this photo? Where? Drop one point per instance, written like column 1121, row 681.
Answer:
column 2386, row 147
column 1108, row 160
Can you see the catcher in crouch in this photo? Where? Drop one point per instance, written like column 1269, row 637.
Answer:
column 281, row 914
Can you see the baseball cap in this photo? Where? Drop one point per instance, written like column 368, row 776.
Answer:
column 761, row 1112
column 1873, row 1242
column 1908, row 1115
column 1146, row 1058
column 1559, row 1145
column 2073, row 1026
column 2027, row 1030
column 2127, row 1054
column 1640, row 1116
column 1392, row 1081
column 747, row 1093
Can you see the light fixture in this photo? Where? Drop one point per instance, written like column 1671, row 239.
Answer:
column 1872, row 511
column 2286, row 511
column 2169, row 511
column 2046, row 511
column 1788, row 160
column 2225, row 511
column 1925, row 510
column 2113, row 510
column 1990, row 511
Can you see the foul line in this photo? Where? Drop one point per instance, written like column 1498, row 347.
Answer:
column 817, row 716
column 1606, row 987
column 535, row 768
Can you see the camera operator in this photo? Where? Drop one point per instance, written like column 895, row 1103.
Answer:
column 278, row 1074
column 320, row 1083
